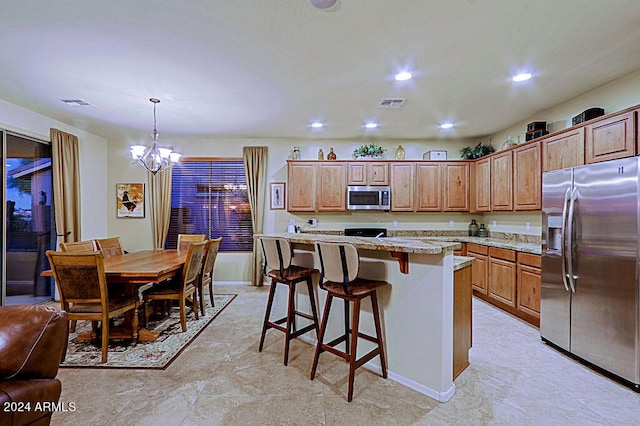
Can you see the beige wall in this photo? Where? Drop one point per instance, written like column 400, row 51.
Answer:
column 93, row 162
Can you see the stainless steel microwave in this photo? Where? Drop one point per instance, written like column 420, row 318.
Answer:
column 368, row 198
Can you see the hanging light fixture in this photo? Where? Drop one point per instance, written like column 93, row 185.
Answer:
column 153, row 158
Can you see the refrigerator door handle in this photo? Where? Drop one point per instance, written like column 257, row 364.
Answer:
column 567, row 197
column 569, row 237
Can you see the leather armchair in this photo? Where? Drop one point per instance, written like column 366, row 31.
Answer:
column 33, row 341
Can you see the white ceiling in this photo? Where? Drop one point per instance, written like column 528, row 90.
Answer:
column 266, row 68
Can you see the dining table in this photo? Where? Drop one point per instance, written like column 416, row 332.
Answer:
column 128, row 272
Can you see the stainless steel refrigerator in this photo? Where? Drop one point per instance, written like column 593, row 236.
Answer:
column 590, row 296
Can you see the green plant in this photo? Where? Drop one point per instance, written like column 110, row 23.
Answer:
column 370, row 150
column 470, row 153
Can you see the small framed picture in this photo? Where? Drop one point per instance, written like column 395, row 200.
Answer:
column 130, row 200
column 278, row 195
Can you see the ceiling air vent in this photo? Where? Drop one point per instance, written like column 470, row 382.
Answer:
column 76, row 102
column 391, row 103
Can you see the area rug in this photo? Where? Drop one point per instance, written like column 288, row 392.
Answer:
column 144, row 355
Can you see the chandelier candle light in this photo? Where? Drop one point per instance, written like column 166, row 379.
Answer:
column 153, row 158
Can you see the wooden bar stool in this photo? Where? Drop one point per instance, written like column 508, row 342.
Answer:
column 277, row 265
column 339, row 265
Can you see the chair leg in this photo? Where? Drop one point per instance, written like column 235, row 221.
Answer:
column 105, row 339
column 291, row 319
column 211, row 293
column 134, row 324
column 376, row 320
column 195, row 304
column 183, row 313
column 72, row 326
column 346, row 326
column 354, row 347
column 146, row 313
column 200, row 292
column 312, row 299
column 323, row 329
column 272, row 291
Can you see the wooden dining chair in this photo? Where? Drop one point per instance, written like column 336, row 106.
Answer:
column 78, row 247
column 187, row 286
column 206, row 274
column 185, row 240
column 82, row 285
column 110, row 247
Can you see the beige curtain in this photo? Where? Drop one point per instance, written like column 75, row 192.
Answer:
column 255, row 170
column 65, row 164
column 160, row 202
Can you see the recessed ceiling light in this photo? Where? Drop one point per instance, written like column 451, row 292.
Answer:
column 317, row 125
column 446, row 125
column 522, row 77
column 371, row 125
column 402, row 76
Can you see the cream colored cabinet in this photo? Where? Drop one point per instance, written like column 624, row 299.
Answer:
column 502, row 181
column 527, row 177
column 364, row 173
column 529, row 282
column 331, row 187
column 479, row 271
column 455, row 188
column 402, row 186
column 610, row 138
column 563, row 150
column 481, row 185
column 502, row 276
column 301, row 186
column 428, row 197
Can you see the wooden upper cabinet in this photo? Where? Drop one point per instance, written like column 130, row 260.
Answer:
column 402, row 178
column 331, row 187
column 502, row 181
column 563, row 150
column 481, row 185
column 301, row 187
column 368, row 173
column 527, row 177
column 611, row 138
column 455, row 188
column 428, row 197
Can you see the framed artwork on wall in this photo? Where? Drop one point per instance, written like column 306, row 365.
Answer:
column 278, row 195
column 130, row 200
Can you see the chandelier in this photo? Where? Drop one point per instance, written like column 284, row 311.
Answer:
column 154, row 158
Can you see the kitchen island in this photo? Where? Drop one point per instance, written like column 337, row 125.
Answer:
column 417, row 308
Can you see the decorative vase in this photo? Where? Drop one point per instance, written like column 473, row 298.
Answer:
column 331, row 155
column 400, row 154
column 482, row 231
column 473, row 228
column 295, row 155
column 320, row 154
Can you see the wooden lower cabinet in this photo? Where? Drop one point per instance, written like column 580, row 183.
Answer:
column 507, row 279
column 479, row 272
column 502, row 276
column 529, row 281
column 461, row 319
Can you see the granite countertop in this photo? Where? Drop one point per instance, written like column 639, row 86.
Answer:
column 394, row 244
column 492, row 242
column 460, row 262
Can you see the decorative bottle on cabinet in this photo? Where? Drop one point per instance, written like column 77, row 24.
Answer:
column 320, row 154
column 331, row 155
column 473, row 228
column 482, row 231
column 400, row 154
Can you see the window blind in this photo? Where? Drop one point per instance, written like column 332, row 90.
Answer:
column 210, row 197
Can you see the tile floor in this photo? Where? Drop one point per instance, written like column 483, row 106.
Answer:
column 221, row 379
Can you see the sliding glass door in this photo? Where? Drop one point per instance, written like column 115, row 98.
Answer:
column 28, row 228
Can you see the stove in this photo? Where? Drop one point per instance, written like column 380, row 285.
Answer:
column 365, row 232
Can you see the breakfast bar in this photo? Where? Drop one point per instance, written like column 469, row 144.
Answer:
column 417, row 308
